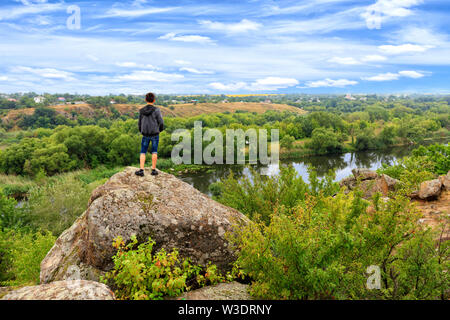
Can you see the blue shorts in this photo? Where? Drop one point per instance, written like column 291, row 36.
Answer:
column 146, row 142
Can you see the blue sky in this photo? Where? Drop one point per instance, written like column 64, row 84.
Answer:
column 246, row 46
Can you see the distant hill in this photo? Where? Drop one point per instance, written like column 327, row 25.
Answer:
column 178, row 110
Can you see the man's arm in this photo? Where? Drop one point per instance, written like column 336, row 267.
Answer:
column 139, row 122
column 160, row 120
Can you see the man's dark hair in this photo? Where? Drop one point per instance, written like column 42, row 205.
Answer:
column 150, row 97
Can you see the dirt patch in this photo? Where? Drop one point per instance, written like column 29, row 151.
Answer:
column 435, row 211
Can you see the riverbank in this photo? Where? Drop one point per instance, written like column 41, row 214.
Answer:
column 301, row 150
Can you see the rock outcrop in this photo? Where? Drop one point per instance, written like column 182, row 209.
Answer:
column 370, row 182
column 223, row 291
column 63, row 290
column 162, row 207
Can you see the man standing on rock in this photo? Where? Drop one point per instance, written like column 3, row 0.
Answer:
column 151, row 124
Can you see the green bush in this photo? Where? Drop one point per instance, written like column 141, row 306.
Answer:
column 325, row 141
column 11, row 217
column 21, row 254
column 55, row 205
column 323, row 248
column 424, row 164
column 140, row 274
column 437, row 154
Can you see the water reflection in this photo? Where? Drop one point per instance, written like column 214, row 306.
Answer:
column 342, row 164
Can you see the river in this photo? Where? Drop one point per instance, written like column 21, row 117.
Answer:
column 342, row 164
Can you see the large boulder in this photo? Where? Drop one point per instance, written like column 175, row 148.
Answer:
column 162, row 207
column 63, row 290
column 430, row 189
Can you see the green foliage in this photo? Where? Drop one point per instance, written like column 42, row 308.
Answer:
column 439, row 155
column 141, row 274
column 21, row 254
column 97, row 174
column 424, row 164
column 57, row 204
column 11, row 217
column 259, row 196
column 43, row 117
column 325, row 141
column 366, row 140
column 322, row 248
column 124, row 150
column 287, row 142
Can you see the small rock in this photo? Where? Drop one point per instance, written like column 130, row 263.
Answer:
column 391, row 182
column 364, row 174
column 223, row 291
column 430, row 189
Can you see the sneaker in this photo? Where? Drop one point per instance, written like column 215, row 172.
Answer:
column 154, row 172
column 140, row 173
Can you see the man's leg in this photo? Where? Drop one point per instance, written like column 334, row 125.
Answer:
column 144, row 148
column 142, row 161
column 154, row 160
column 155, row 142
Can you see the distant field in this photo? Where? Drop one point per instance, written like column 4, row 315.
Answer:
column 179, row 110
column 189, row 110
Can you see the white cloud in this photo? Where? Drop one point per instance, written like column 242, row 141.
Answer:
column 182, row 62
column 144, row 75
column 340, row 83
column 30, row 2
column 126, row 64
column 268, row 83
column 30, row 7
column 345, row 61
column 228, row 87
column 3, row 78
column 395, row 76
column 383, row 77
column 188, row 38
column 422, row 36
column 383, row 10
column 92, row 57
column 411, row 74
column 243, row 26
column 342, row 20
column 308, row 6
column 48, row 73
column 273, row 83
column 133, row 13
column 404, row 48
column 196, row 71
column 373, row 58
